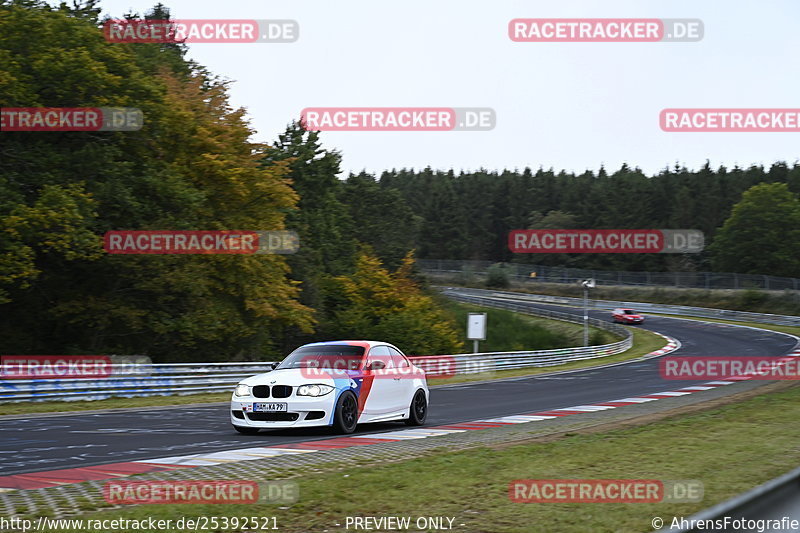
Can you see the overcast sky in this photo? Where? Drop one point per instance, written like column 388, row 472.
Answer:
column 569, row 106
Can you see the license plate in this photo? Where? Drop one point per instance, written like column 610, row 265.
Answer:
column 262, row 407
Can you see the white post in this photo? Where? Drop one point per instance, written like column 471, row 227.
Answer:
column 476, row 329
column 585, row 316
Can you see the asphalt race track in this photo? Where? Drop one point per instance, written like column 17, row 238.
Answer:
column 68, row 441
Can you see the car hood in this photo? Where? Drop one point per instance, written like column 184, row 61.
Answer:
column 302, row 376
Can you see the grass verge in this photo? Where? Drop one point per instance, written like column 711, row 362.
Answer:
column 730, row 449
column 508, row 331
column 644, row 342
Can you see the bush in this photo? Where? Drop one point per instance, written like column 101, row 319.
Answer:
column 466, row 276
column 752, row 298
column 497, row 276
column 597, row 338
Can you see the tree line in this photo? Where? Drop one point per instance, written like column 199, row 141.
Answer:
column 468, row 215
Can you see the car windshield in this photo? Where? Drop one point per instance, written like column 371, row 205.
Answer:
column 629, row 312
column 335, row 356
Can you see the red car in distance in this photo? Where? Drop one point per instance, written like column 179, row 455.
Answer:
column 627, row 316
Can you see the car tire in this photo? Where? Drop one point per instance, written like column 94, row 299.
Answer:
column 418, row 410
column 244, row 430
column 345, row 418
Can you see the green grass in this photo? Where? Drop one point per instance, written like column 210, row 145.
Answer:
column 730, row 449
column 507, row 331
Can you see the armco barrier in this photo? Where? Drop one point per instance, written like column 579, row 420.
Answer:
column 700, row 312
column 771, row 503
column 147, row 380
column 192, row 378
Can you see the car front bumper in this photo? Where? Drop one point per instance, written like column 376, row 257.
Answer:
column 301, row 412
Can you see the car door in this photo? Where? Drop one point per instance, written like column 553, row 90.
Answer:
column 406, row 387
column 381, row 384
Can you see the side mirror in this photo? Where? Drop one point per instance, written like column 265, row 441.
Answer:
column 272, row 366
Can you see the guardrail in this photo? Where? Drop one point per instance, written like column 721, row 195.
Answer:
column 771, row 501
column 700, row 312
column 193, row 378
column 163, row 379
column 553, row 274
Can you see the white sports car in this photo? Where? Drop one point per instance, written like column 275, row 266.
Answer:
column 339, row 384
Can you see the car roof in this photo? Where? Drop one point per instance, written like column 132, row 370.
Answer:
column 366, row 344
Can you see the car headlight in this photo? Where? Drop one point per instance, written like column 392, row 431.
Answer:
column 314, row 390
column 242, row 390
